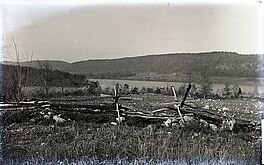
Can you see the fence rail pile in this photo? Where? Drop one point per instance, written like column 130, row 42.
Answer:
column 181, row 112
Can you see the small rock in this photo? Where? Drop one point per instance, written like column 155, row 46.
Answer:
column 46, row 117
column 195, row 135
column 58, row 119
column 121, row 119
column 188, row 118
column 113, row 123
column 225, row 109
column 32, row 120
column 207, row 107
column 228, row 125
column 168, row 122
column 204, row 123
column 174, row 124
column 213, row 127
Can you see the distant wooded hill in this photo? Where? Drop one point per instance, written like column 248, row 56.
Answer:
column 218, row 64
column 37, row 77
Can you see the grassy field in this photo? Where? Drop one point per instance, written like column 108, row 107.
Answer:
column 89, row 140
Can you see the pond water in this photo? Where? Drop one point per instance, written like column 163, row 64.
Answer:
column 248, row 88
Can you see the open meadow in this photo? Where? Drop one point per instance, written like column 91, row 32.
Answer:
column 31, row 137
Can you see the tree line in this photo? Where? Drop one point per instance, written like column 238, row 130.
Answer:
column 15, row 80
column 197, row 91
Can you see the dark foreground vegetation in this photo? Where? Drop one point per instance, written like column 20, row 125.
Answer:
column 31, row 137
column 80, row 140
column 107, row 142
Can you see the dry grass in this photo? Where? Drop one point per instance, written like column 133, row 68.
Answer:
column 108, row 142
column 87, row 141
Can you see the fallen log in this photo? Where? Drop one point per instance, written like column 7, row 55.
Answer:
column 62, row 107
column 167, row 112
column 149, row 117
column 17, row 109
column 23, row 104
column 160, row 105
column 129, row 108
column 122, row 97
column 162, row 110
column 92, row 106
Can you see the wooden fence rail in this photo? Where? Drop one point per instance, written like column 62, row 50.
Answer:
column 177, row 111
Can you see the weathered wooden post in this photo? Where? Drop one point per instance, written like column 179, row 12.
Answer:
column 185, row 95
column 183, row 100
column 116, row 103
column 174, row 93
column 175, row 98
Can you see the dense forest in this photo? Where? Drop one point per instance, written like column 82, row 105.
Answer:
column 217, row 64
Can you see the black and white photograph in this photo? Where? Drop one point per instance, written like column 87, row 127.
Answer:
column 131, row 82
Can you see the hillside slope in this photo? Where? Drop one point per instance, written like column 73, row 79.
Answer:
column 36, row 64
column 219, row 64
column 214, row 63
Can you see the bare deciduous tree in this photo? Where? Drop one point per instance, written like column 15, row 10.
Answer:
column 46, row 74
column 18, row 76
column 205, row 84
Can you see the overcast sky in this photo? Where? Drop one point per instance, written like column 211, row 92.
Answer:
column 75, row 31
